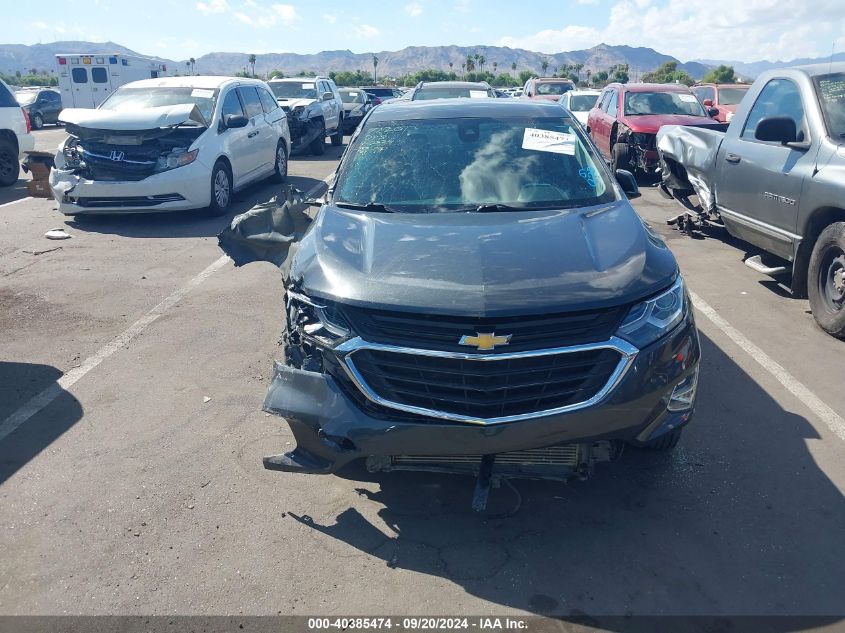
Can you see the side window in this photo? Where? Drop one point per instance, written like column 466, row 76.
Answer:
column 267, row 100
column 79, row 75
column 99, row 76
column 231, row 104
column 252, row 104
column 705, row 92
column 779, row 97
column 611, row 104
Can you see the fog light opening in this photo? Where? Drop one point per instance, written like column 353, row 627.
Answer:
column 683, row 396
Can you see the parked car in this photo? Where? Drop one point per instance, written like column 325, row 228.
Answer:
column 383, row 93
column 42, row 105
column 476, row 284
column 314, row 109
column 625, row 119
column 775, row 179
column 452, row 90
column 546, row 88
column 579, row 103
column 15, row 136
column 356, row 104
column 170, row 144
column 723, row 97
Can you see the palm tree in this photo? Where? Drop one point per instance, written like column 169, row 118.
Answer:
column 375, row 68
column 463, row 69
column 188, row 65
column 470, row 63
column 544, row 65
column 578, row 68
column 451, row 64
column 252, row 63
column 587, row 74
column 495, row 67
column 481, row 61
column 193, row 61
column 513, row 68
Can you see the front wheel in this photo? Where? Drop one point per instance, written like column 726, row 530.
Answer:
column 318, row 145
column 280, row 172
column 621, row 157
column 337, row 137
column 221, row 189
column 826, row 280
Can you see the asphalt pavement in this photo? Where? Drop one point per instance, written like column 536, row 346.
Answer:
column 138, row 488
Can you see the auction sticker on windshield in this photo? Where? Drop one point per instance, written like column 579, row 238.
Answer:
column 548, row 141
column 308, row 86
column 200, row 92
column 687, row 98
column 477, row 94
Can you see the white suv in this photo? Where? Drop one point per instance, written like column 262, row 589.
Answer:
column 15, row 137
column 314, row 109
column 169, row 144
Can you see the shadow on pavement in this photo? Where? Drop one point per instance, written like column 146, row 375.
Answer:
column 18, row 191
column 19, row 383
column 184, row 223
column 739, row 520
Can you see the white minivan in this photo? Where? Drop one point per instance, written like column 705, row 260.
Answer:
column 15, row 136
column 170, row 144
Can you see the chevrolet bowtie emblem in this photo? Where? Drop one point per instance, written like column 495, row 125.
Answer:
column 485, row 341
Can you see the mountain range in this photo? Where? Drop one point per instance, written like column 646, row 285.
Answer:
column 20, row 57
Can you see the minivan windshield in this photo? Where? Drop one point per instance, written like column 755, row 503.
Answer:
column 471, row 164
column 25, row 98
column 731, row 96
column 663, row 103
column 127, row 98
column 294, row 89
column 831, row 91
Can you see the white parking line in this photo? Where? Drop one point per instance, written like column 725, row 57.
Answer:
column 833, row 420
column 45, row 397
column 9, row 204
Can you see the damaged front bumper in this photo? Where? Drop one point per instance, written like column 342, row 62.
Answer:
column 187, row 187
column 303, row 132
column 331, row 429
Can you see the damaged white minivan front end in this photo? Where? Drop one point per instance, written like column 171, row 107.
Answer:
column 131, row 161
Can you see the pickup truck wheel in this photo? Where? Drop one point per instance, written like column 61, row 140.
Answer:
column 221, row 189
column 337, row 137
column 280, row 173
column 826, row 280
column 665, row 442
column 318, row 145
column 10, row 168
column 37, row 121
column 621, row 157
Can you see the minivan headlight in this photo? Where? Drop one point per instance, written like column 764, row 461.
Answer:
column 648, row 321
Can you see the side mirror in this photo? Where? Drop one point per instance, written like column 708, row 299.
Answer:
column 708, row 103
column 628, row 183
column 778, row 129
column 713, row 112
column 328, row 96
column 234, row 121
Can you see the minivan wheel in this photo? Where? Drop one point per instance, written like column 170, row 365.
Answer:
column 318, row 145
column 621, row 157
column 826, row 280
column 665, row 442
column 10, row 168
column 337, row 137
column 37, row 121
column 221, row 189
column 280, row 173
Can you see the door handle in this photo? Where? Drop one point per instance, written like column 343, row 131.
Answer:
column 251, row 134
column 733, row 158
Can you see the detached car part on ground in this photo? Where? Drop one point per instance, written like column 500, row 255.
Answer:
column 170, row 144
column 775, row 179
column 475, row 295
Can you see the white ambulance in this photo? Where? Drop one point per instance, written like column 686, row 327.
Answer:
column 86, row 80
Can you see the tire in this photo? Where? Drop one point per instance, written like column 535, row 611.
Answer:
column 665, row 442
column 318, row 145
column 826, row 280
column 280, row 171
column 10, row 168
column 37, row 121
column 337, row 137
column 620, row 157
column 221, row 189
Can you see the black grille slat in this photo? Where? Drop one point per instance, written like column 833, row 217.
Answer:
column 489, row 388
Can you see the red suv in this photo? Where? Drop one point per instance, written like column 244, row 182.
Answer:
column 626, row 117
column 546, row 88
column 723, row 97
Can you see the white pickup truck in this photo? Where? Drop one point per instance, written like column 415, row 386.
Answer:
column 314, row 110
column 15, row 137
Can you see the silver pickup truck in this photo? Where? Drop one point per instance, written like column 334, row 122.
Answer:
column 775, row 179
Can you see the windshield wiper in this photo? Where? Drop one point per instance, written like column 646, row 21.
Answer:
column 370, row 206
column 492, row 207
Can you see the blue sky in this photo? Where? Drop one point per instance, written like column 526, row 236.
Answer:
column 745, row 30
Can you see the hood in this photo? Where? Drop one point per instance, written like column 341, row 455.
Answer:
column 132, row 120
column 525, row 262
column 650, row 123
column 292, row 103
column 546, row 97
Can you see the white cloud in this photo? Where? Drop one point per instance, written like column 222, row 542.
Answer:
column 262, row 19
column 588, row 1
column 286, row 13
column 212, row 6
column 366, row 31
column 705, row 29
column 462, row 6
column 414, row 9
column 331, row 19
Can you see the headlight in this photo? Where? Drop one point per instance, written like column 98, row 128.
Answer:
column 648, row 321
column 179, row 157
column 298, row 110
column 316, row 320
